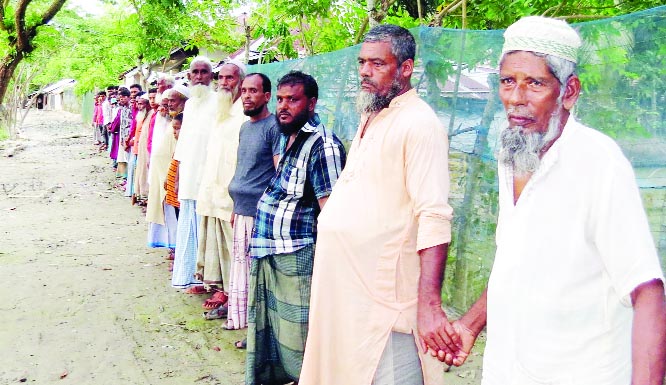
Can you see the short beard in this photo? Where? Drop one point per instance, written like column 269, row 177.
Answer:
column 521, row 150
column 224, row 103
column 199, row 92
column 254, row 111
column 295, row 125
column 368, row 102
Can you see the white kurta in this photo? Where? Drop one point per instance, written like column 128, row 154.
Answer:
column 569, row 253
column 198, row 120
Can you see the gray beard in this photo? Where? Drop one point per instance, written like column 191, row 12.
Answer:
column 199, row 93
column 224, row 103
column 521, row 151
column 368, row 102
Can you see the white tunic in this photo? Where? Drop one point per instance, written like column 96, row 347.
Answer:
column 198, row 120
column 569, row 254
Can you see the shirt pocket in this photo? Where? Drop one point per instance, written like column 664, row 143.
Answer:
column 293, row 180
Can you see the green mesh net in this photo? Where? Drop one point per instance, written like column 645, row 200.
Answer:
column 624, row 90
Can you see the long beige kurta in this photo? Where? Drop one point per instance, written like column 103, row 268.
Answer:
column 159, row 167
column 213, row 199
column 390, row 201
column 214, row 203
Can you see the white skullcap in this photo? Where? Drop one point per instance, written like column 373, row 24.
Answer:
column 145, row 96
column 543, row 35
column 238, row 64
column 181, row 89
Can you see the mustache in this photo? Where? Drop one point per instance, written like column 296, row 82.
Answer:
column 520, row 111
column 367, row 80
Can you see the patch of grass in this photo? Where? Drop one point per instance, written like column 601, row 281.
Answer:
column 4, row 134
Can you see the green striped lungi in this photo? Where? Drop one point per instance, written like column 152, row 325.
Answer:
column 278, row 307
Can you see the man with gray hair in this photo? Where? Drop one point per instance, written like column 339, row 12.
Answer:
column 198, row 121
column 576, row 293
column 214, row 204
column 383, row 235
column 164, row 83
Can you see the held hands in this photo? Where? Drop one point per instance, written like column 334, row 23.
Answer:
column 450, row 343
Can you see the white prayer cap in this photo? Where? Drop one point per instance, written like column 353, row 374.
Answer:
column 543, row 35
column 181, row 89
column 238, row 64
column 145, row 96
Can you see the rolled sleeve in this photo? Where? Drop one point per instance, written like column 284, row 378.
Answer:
column 427, row 179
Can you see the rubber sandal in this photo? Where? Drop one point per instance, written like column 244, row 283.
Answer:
column 197, row 290
column 217, row 313
column 218, row 299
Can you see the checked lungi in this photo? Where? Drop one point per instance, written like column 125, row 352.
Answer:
column 185, row 258
column 278, row 307
column 239, row 277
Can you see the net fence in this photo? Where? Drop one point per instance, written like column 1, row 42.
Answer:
column 624, row 90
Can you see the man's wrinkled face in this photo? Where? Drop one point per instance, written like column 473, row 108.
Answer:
column 380, row 76
column 529, row 91
column 253, row 96
column 164, row 106
column 162, row 85
column 200, row 74
column 229, row 79
column 175, row 102
column 142, row 104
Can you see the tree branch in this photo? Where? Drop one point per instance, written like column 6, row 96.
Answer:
column 22, row 39
column 51, row 12
column 448, row 9
column 2, row 16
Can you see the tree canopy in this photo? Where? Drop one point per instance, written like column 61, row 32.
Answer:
column 96, row 49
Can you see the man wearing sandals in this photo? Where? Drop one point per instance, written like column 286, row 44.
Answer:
column 214, row 204
column 285, row 229
column 198, row 120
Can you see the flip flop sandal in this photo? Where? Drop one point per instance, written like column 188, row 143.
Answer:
column 241, row 344
column 218, row 299
column 217, row 313
column 197, row 290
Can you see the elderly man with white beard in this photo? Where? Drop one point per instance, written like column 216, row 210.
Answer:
column 214, row 204
column 199, row 118
column 576, row 293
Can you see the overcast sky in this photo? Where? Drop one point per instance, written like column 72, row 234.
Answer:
column 90, row 6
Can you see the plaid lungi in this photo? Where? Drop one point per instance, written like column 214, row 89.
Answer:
column 278, row 307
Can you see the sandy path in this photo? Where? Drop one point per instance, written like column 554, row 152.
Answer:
column 81, row 296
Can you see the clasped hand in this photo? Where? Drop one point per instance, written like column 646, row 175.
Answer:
column 449, row 342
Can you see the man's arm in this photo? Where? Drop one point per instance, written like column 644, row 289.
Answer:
column 648, row 339
column 468, row 328
column 435, row 331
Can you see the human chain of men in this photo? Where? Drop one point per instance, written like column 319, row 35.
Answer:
column 241, row 196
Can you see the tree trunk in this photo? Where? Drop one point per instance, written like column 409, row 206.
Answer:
column 7, row 68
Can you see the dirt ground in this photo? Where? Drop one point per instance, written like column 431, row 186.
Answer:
column 82, row 299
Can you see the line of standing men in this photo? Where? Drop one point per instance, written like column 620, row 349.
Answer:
column 576, row 294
